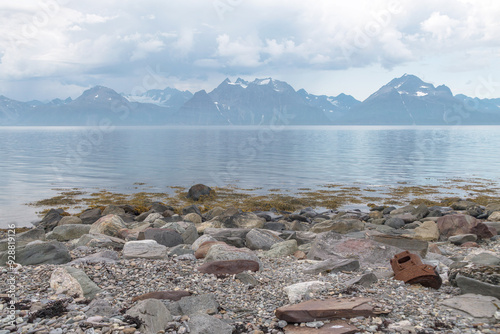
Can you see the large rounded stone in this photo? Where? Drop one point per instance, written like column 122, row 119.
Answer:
column 108, row 225
column 163, row 236
column 395, row 222
column 261, row 239
column 282, row 249
column 50, row 252
column 147, row 249
column 90, row 216
column 455, row 224
column 340, row 226
column 69, row 232
column 427, row 231
column 153, row 314
column 69, row 220
column 197, row 191
column 113, row 210
column 222, row 252
column 243, row 220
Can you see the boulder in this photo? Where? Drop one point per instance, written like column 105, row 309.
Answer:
column 261, row 239
column 90, row 289
column 49, row 252
column 340, row 226
column 332, row 266
column 173, row 295
column 108, row 225
column 494, row 216
column 199, row 304
column 282, row 249
column 164, row 236
column 420, row 211
column 333, row 308
column 215, row 212
column 462, row 205
column 229, row 267
column 304, row 290
column 22, row 239
column 365, row 280
column 483, row 231
column 63, row 283
column 395, row 222
column 193, row 217
column 206, row 324
column 70, row 220
column 427, row 231
column 113, row 210
column 405, row 209
column 90, row 216
column 226, row 252
column 153, row 315
column 191, row 209
column 407, row 217
column 455, row 224
column 462, row 238
column 50, row 220
column 69, row 232
column 198, row 242
column 197, row 191
column 202, row 251
column 152, row 217
column 402, row 242
column 247, row 220
column 100, row 241
column 147, row 249
column 106, row 256
column 484, row 259
column 231, row 236
column 186, row 229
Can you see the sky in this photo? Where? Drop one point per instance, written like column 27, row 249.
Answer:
column 58, row 48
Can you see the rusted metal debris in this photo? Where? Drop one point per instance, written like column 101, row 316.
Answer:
column 408, row 267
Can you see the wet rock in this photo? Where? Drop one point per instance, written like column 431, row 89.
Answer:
column 247, row 220
column 470, row 285
column 165, row 237
column 332, row 265
column 22, row 239
column 462, row 238
column 281, row 249
column 69, row 220
column 173, row 295
column 205, row 324
column 229, row 267
column 395, row 222
column 450, row 225
column 147, row 249
column 197, row 191
column 49, row 252
column 483, row 308
column 191, row 209
column 108, row 225
column 153, row 314
column 261, row 239
column 90, row 216
column 69, row 232
column 334, row 308
column 304, row 290
column 50, row 220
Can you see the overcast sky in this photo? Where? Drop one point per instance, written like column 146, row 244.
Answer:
column 59, row 48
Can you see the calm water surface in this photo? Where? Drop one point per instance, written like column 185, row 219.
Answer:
column 36, row 160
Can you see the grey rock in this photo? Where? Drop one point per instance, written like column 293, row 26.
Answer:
column 191, row 209
column 246, row 278
column 261, row 239
column 197, row 191
column 101, row 307
column 405, row 209
column 339, row 225
column 485, row 259
column 227, row 235
column 332, row 265
column 282, row 249
column 483, row 308
column 205, row 324
column 180, row 250
column 395, row 222
column 152, row 217
column 50, row 220
column 165, row 237
column 243, row 220
column 49, row 252
column 100, row 241
column 90, row 289
column 70, row 220
column 200, row 240
column 108, row 225
column 470, row 285
column 462, row 205
column 402, row 242
column 202, row 304
column 22, row 239
column 221, row 252
column 147, row 249
column 407, row 217
column 90, row 216
column 421, row 211
column 154, row 315
column 160, row 207
column 113, row 210
column 274, row 226
column 106, row 256
column 462, row 238
column 69, row 232
column 186, row 229
column 365, row 280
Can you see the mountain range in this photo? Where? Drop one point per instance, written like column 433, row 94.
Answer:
column 403, row 101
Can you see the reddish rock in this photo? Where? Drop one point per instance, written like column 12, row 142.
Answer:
column 300, row 255
column 334, row 308
column 169, row 295
column 128, row 234
column 470, row 244
column 450, row 225
column 202, row 251
column 334, row 327
column 483, row 231
column 228, row 267
column 433, row 248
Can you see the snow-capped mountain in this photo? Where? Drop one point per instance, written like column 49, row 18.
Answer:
column 168, row 97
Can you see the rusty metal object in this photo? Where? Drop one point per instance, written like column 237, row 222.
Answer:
column 408, row 267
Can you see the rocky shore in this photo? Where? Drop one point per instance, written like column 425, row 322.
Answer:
column 178, row 270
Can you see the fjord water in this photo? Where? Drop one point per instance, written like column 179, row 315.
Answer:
column 36, row 162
